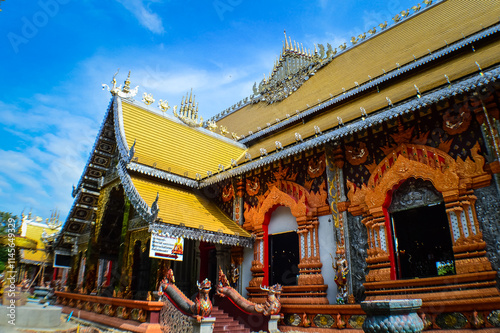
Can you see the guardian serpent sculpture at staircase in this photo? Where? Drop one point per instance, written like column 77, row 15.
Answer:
column 272, row 306
column 200, row 308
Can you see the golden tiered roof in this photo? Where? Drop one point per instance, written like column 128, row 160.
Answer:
column 169, row 145
column 180, row 206
column 373, row 101
column 160, row 142
column 423, row 33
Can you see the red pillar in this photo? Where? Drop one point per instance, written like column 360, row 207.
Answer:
column 108, row 273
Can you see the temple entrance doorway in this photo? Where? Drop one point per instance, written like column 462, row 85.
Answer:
column 283, row 248
column 284, row 258
column 421, row 232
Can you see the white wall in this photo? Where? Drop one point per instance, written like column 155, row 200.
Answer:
column 326, row 246
column 282, row 220
column 245, row 273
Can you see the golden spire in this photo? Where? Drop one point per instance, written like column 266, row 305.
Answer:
column 126, row 86
column 189, row 110
column 286, row 41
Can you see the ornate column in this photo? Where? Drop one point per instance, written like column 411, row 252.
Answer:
column 378, row 257
column 338, row 206
column 238, row 201
column 236, row 261
column 468, row 244
column 310, row 264
column 258, row 261
column 197, row 259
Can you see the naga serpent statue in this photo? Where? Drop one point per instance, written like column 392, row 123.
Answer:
column 201, row 307
column 272, row 306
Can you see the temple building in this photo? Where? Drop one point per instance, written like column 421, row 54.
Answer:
column 37, row 263
column 365, row 171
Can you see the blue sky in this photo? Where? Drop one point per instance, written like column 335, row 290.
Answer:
column 56, row 54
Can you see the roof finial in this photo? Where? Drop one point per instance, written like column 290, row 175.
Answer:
column 286, row 41
column 189, row 111
column 126, row 86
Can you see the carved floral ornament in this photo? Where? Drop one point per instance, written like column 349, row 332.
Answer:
column 416, row 161
column 228, row 193
column 285, row 193
column 316, row 167
column 253, row 186
column 255, row 216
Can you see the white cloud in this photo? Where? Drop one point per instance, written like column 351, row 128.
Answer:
column 50, row 135
column 45, row 156
column 144, row 14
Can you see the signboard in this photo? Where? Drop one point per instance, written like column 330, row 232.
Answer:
column 166, row 247
column 62, row 260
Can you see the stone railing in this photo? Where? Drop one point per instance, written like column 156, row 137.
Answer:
column 127, row 309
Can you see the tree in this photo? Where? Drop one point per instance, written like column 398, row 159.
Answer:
column 6, row 219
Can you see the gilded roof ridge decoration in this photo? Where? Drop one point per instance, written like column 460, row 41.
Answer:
column 150, row 215
column 453, row 88
column 147, row 170
column 207, row 236
column 126, row 153
column 76, row 189
column 63, row 230
column 327, row 58
column 291, row 69
column 124, row 92
column 188, row 112
column 169, row 117
column 374, row 82
column 135, row 198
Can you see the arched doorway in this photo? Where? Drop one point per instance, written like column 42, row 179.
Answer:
column 421, row 239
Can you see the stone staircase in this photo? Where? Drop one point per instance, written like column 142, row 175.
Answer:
column 224, row 323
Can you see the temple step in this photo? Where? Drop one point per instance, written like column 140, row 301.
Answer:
column 444, row 288
column 224, row 323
